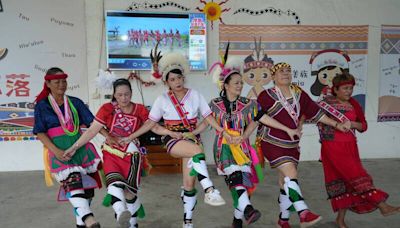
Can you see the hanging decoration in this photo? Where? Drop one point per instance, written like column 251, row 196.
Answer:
column 272, row 10
column 136, row 76
column 213, row 11
column 106, row 78
column 145, row 5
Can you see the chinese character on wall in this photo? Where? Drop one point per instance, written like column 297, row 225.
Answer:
column 17, row 85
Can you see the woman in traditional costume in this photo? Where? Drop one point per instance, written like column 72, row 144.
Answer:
column 123, row 162
column 180, row 107
column 58, row 118
column 236, row 160
column 287, row 103
column 348, row 184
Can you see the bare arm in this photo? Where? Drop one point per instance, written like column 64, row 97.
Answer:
column 210, row 119
column 160, row 130
column 110, row 140
column 154, row 127
column 147, row 126
column 50, row 145
column 104, row 132
column 91, row 132
column 301, row 122
column 249, row 129
column 200, row 128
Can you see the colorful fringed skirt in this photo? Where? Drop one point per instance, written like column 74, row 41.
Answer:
column 78, row 173
column 238, row 163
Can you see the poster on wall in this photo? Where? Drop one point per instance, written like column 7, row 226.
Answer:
column 37, row 35
column 315, row 53
column 389, row 94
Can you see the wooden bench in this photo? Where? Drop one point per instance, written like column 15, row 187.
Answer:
column 161, row 161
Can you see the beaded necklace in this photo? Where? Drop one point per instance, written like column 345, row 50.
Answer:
column 70, row 116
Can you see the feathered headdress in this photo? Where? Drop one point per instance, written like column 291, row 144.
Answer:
column 172, row 61
column 257, row 59
column 220, row 71
column 155, row 57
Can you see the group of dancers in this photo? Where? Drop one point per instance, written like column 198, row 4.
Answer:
column 278, row 113
column 138, row 38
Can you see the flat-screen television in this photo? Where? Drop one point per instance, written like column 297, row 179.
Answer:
column 132, row 35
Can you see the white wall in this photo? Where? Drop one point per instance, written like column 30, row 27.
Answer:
column 380, row 141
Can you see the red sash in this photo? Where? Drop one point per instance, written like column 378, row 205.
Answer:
column 180, row 111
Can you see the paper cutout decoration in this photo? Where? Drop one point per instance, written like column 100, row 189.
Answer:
column 213, row 11
column 272, row 10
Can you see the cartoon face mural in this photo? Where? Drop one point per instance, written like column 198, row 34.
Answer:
column 256, row 72
column 325, row 65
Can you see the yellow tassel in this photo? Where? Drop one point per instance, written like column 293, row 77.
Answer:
column 47, row 175
column 236, row 150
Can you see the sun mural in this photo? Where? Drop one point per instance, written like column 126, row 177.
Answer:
column 213, row 11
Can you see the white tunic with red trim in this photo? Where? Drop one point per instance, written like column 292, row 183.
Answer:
column 193, row 104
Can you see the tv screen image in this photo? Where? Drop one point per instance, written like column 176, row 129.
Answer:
column 132, row 35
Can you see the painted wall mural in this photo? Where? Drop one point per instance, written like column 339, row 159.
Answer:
column 36, row 41
column 389, row 94
column 316, row 54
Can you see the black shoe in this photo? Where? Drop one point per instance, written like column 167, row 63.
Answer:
column 251, row 215
column 237, row 223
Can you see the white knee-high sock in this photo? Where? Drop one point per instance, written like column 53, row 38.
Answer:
column 189, row 200
column 243, row 198
column 120, row 205
column 292, row 189
column 198, row 163
column 133, row 206
column 238, row 214
column 284, row 205
column 80, row 204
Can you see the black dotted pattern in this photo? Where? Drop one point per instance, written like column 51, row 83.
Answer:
column 135, row 6
column 272, row 10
